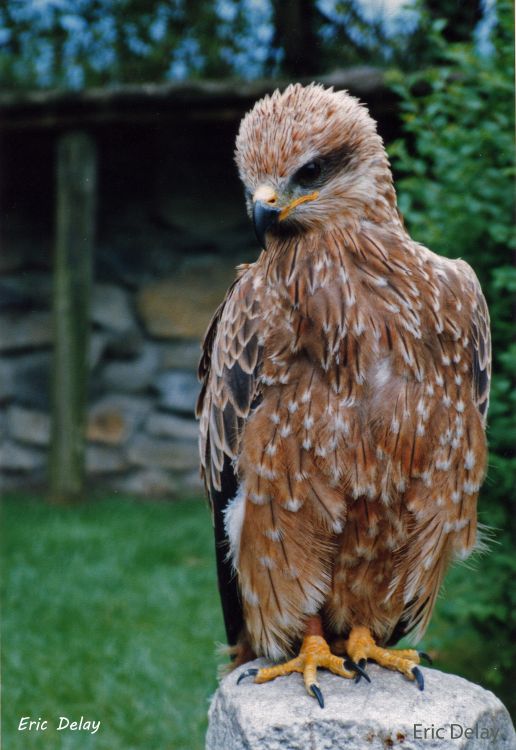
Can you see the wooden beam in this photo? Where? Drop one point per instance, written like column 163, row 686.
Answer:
column 165, row 102
column 76, row 171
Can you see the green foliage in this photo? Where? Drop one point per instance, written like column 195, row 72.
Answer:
column 80, row 43
column 77, row 43
column 455, row 190
column 110, row 610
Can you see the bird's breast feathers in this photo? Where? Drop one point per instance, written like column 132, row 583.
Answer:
column 362, row 341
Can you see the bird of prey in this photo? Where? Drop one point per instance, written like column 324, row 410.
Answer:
column 345, row 382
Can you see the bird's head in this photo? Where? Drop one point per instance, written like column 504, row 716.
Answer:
column 309, row 157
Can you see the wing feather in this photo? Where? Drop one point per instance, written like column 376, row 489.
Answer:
column 229, row 372
column 480, row 347
column 446, row 510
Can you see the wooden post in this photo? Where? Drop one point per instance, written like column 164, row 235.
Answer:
column 75, row 228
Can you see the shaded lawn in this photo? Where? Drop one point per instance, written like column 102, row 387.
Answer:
column 110, row 611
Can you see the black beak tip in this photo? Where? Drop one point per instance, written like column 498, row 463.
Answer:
column 264, row 218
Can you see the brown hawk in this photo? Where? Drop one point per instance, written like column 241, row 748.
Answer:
column 345, row 388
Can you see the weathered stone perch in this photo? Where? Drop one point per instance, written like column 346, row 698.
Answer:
column 388, row 713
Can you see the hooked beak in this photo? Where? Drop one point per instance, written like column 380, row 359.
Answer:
column 265, row 217
column 265, row 212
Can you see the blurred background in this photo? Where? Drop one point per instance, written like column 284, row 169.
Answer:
column 122, row 220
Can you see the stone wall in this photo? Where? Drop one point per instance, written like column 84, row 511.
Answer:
column 168, row 240
column 144, row 351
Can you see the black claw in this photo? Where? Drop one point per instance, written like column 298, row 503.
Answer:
column 351, row 666
column 248, row 673
column 358, row 668
column 317, row 692
column 424, row 655
column 419, row 677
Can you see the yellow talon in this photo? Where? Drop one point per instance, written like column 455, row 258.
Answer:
column 314, row 653
column 361, row 646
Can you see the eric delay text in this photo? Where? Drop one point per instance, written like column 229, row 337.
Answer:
column 62, row 723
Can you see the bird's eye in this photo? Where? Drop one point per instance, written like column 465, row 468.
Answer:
column 308, row 173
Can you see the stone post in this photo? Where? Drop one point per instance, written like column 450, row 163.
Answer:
column 390, row 712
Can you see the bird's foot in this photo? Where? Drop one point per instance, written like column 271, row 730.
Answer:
column 314, row 653
column 361, row 646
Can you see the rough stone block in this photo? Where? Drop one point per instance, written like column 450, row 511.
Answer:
column 161, row 424
column 113, row 419
column 110, row 308
column 26, row 379
column 180, row 355
column 388, row 713
column 182, row 306
column 20, row 458
column 164, row 454
column 23, row 330
column 28, row 426
column 178, row 391
column 104, row 460
column 98, row 343
column 134, row 374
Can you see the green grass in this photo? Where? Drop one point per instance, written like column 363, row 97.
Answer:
column 110, row 611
